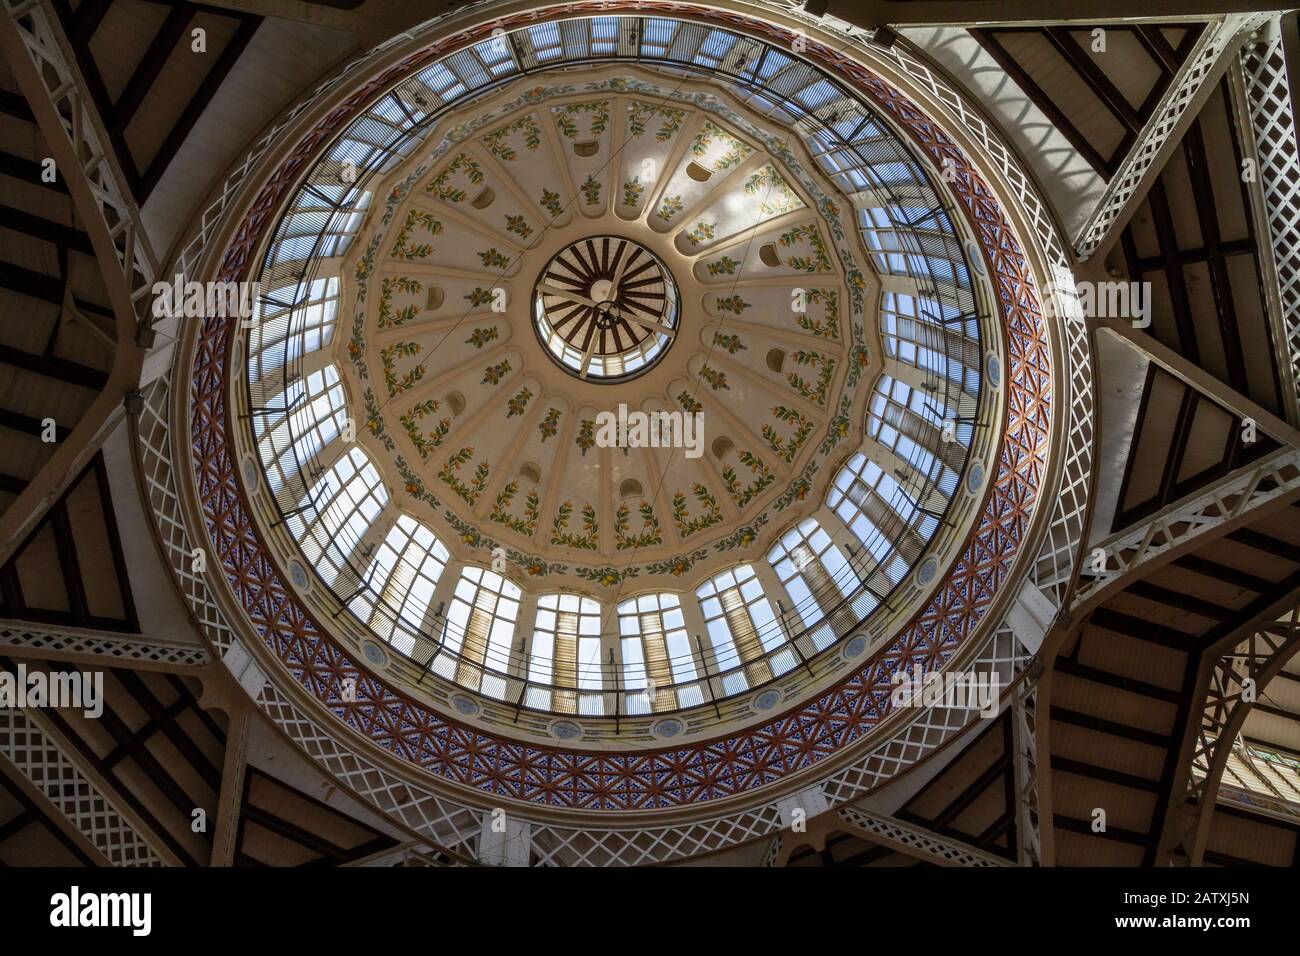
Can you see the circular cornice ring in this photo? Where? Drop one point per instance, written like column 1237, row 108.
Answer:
column 1019, row 308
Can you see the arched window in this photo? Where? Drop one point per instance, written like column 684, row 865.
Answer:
column 817, row 575
column 481, row 629
column 933, row 337
column 909, row 423
column 743, row 629
column 401, row 579
column 277, row 339
column 566, row 652
column 345, row 501
column 287, row 441
column 883, row 516
column 656, row 654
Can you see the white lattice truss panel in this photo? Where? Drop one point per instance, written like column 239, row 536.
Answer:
column 114, row 648
column 1178, row 525
column 456, row 827
column 1268, row 101
column 1202, row 66
column 1024, row 735
column 34, row 755
column 1236, row 680
column 919, row 842
column 38, row 27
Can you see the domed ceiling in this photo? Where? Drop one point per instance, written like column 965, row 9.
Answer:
column 668, row 253
column 424, row 522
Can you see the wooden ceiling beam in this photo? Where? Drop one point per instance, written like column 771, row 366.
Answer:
column 150, row 67
column 63, row 370
column 197, row 104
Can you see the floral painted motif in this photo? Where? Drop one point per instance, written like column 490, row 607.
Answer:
column 639, row 115
column 590, row 190
column 549, row 425
column 479, row 296
column 519, row 226
column 717, row 380
column 482, row 336
column 731, row 303
column 709, row 516
column 388, row 357
column 650, row 534
column 826, row 366
column 731, row 342
column 424, row 442
column 726, row 266
column 493, row 374
column 492, row 259
column 414, row 485
column 518, row 402
column 670, row 207
column 726, row 150
column 586, row 439
column 830, row 299
column 496, row 143
column 565, row 117
column 632, row 190
column 551, row 202
column 524, row 525
column 388, row 319
column 763, row 478
column 606, row 576
column 586, row 540
column 802, row 425
column 688, row 402
column 676, row 566
column 450, row 473
column 424, row 220
column 776, row 196
column 819, row 261
column 703, row 230
column 441, row 186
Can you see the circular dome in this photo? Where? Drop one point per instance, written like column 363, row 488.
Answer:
column 547, row 595
column 605, row 308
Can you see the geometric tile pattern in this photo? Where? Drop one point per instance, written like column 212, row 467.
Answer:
column 687, row 775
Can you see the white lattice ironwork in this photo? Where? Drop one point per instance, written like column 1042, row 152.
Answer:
column 38, row 26
column 1276, row 476
column 1234, row 682
column 916, row 841
column 1024, row 737
column 35, row 756
column 1272, row 123
column 114, row 648
column 1203, row 66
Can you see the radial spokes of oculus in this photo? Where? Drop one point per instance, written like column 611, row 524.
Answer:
column 605, row 308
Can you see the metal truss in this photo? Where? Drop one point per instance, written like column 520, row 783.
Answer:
column 44, row 67
column 28, row 746
column 1267, row 100
column 38, row 27
column 21, row 639
column 1024, row 737
column 1188, row 523
column 1204, row 65
column 916, row 841
column 1230, row 683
